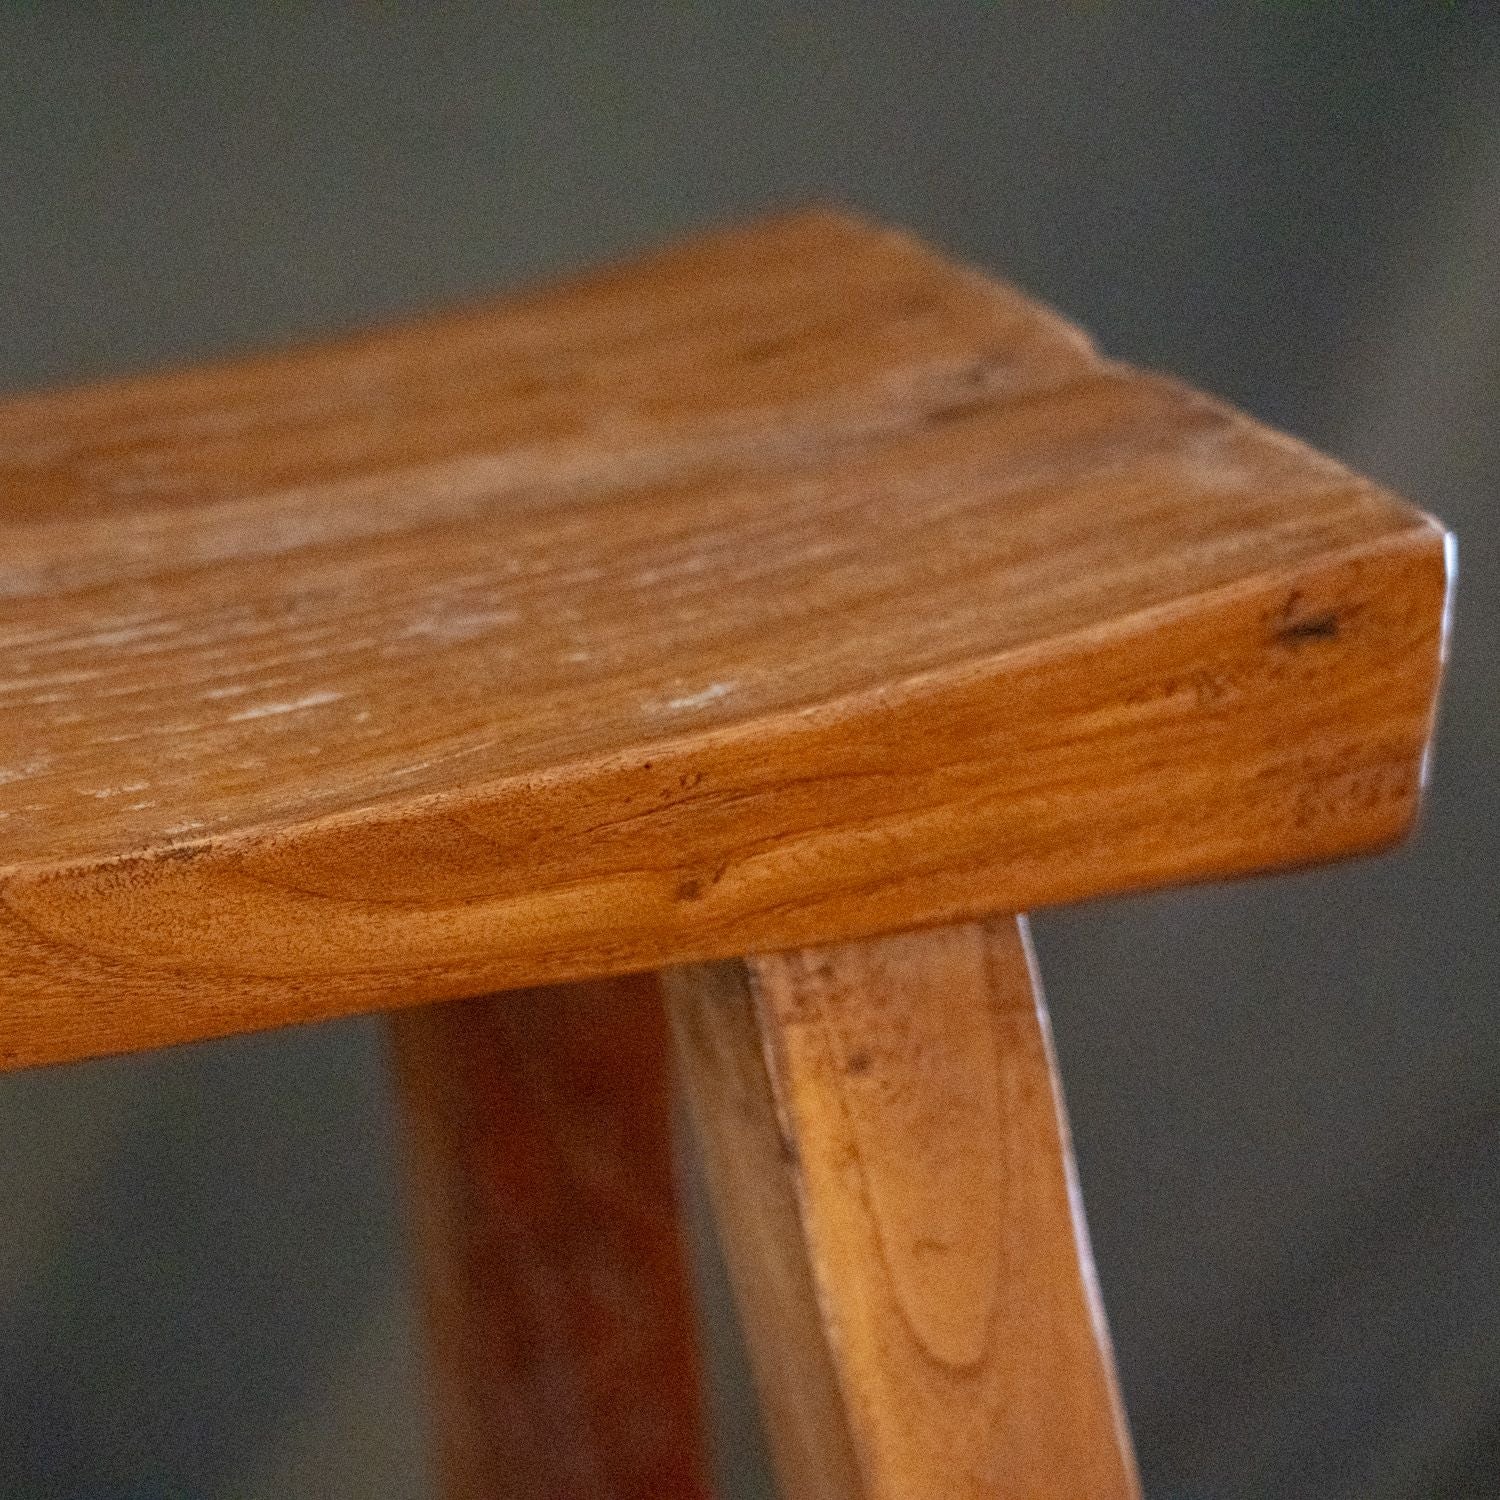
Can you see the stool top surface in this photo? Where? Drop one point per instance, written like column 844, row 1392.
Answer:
column 789, row 583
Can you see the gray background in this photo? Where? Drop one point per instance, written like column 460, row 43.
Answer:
column 1286, row 1093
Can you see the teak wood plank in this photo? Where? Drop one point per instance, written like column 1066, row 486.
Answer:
column 891, row 1174
column 563, row 1355
column 789, row 585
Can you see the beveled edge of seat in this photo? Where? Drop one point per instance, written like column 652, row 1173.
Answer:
column 1281, row 718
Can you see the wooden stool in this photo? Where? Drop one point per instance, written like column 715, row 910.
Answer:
column 767, row 616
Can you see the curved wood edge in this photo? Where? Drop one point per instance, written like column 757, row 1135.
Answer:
column 890, row 1166
column 1281, row 723
column 563, row 1344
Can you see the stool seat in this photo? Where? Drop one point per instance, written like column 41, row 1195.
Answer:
column 788, row 586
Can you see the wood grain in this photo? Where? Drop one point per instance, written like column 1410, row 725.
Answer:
column 563, row 1351
column 892, row 1177
column 790, row 585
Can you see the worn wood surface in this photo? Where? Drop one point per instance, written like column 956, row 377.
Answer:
column 891, row 1174
column 789, row 585
column 562, row 1341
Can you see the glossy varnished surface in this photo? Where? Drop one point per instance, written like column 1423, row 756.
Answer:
column 786, row 586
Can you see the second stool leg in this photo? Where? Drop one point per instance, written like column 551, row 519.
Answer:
column 890, row 1169
column 559, row 1312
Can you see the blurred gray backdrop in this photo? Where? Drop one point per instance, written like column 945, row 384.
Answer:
column 1286, row 1094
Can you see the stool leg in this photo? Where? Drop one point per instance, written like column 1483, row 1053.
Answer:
column 890, row 1169
column 564, row 1357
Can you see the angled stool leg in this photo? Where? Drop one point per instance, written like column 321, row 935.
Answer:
column 890, row 1168
column 556, row 1291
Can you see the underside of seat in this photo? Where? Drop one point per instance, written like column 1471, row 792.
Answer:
column 786, row 586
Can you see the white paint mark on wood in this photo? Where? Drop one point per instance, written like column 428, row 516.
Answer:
column 451, row 629
column 33, row 767
column 292, row 706
column 701, row 699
